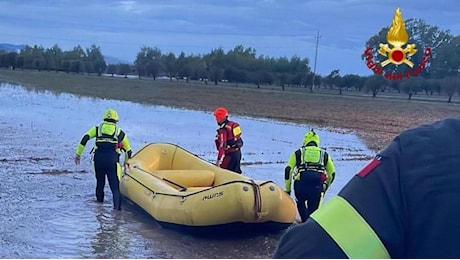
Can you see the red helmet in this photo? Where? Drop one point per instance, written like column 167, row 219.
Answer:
column 221, row 114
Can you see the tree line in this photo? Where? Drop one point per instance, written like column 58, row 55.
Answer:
column 243, row 65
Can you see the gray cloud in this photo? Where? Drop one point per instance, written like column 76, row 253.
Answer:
column 273, row 27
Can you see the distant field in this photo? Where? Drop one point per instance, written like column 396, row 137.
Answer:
column 376, row 120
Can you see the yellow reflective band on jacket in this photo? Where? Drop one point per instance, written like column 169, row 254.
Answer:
column 349, row 230
column 236, row 131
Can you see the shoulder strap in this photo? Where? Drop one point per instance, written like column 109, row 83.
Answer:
column 321, row 157
column 325, row 158
column 298, row 158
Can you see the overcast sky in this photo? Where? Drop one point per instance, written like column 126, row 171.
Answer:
column 274, row 28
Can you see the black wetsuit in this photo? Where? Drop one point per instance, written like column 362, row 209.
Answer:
column 105, row 163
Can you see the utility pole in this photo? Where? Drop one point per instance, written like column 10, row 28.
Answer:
column 316, row 56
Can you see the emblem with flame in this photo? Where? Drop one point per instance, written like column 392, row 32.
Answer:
column 399, row 52
column 397, row 37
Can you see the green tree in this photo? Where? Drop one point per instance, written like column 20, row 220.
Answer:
column 141, row 61
column 299, row 69
column 53, row 57
column 447, row 61
column 72, row 61
column 333, row 79
column 154, row 63
column 411, row 86
column 281, row 69
column 10, row 59
column 215, row 62
column 112, row 69
column 149, row 62
column 33, row 57
column 124, row 69
column 170, row 64
column 351, row 81
column 449, row 86
column 375, row 84
column 191, row 67
column 96, row 60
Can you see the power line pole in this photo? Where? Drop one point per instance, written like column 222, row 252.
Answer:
column 316, row 56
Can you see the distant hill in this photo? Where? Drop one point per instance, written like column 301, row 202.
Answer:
column 11, row 47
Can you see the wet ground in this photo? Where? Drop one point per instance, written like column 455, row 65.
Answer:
column 47, row 204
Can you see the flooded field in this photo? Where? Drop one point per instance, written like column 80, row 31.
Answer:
column 47, row 204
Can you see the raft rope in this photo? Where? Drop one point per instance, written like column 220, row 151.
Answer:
column 257, row 200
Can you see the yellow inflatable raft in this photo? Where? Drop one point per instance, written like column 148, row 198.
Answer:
column 180, row 190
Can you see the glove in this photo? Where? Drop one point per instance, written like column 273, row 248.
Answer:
column 126, row 162
column 218, row 163
column 288, row 193
column 77, row 159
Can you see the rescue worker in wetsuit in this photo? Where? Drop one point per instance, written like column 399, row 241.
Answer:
column 228, row 142
column 403, row 204
column 313, row 172
column 110, row 141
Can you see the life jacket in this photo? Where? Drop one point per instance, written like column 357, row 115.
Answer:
column 107, row 137
column 233, row 134
column 308, row 159
column 234, row 139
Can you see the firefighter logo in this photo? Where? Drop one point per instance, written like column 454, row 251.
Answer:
column 397, row 37
column 397, row 50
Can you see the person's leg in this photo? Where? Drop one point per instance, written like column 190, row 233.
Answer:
column 226, row 162
column 114, row 185
column 300, row 194
column 311, row 182
column 313, row 198
column 232, row 162
column 100, row 180
column 237, row 158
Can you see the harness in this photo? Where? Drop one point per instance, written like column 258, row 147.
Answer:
column 303, row 166
column 105, row 140
column 234, row 140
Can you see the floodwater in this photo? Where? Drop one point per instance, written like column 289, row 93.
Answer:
column 47, row 203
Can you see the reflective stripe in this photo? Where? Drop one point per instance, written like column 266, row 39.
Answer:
column 349, row 230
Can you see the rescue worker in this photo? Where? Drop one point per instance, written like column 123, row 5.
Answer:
column 228, row 142
column 110, row 141
column 313, row 172
column 403, row 204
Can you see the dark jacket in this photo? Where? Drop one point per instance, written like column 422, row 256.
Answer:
column 404, row 204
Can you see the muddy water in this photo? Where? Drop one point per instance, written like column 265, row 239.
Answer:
column 47, row 204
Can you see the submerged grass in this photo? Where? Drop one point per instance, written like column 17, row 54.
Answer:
column 376, row 120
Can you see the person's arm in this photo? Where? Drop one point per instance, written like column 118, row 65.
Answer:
column 221, row 144
column 288, row 172
column 365, row 220
column 91, row 133
column 125, row 144
column 330, row 170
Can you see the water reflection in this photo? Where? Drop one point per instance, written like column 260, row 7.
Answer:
column 47, row 207
column 109, row 241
